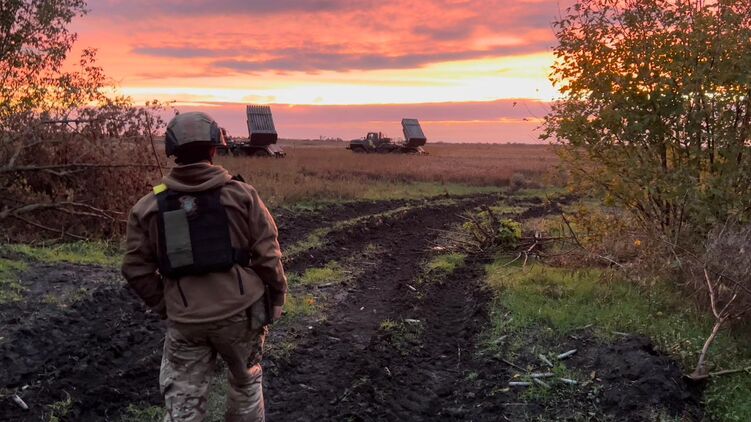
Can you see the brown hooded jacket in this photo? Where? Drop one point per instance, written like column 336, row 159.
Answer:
column 214, row 296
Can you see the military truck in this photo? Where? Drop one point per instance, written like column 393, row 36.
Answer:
column 376, row 142
column 262, row 135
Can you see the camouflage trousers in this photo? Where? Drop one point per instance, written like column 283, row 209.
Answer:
column 189, row 361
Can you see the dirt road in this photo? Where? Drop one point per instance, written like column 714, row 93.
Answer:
column 392, row 346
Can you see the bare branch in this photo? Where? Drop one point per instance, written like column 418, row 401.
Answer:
column 51, row 229
column 33, row 168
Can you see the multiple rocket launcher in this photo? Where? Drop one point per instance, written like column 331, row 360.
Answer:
column 262, row 136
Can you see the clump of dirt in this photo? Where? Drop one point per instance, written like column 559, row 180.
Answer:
column 635, row 377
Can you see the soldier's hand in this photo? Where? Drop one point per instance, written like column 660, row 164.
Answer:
column 277, row 313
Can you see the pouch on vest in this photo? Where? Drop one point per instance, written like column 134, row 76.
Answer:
column 194, row 234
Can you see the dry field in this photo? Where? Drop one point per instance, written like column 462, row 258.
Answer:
column 326, row 170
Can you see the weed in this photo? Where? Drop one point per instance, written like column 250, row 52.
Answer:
column 60, row 409
column 280, row 349
column 11, row 289
column 402, row 335
column 135, row 413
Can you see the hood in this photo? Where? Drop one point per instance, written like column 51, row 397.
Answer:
column 196, row 177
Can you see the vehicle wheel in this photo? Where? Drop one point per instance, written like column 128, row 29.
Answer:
column 260, row 153
column 358, row 150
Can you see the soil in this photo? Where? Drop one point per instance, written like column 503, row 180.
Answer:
column 103, row 349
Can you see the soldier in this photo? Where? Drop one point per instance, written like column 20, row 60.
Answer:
column 202, row 251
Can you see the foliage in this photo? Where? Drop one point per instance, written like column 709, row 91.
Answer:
column 656, row 108
column 72, row 155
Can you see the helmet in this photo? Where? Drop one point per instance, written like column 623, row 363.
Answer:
column 186, row 128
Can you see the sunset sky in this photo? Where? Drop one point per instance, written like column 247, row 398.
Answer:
column 469, row 70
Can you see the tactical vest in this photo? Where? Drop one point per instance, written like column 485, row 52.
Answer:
column 194, row 234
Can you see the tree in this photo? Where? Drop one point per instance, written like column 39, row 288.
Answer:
column 70, row 152
column 656, row 108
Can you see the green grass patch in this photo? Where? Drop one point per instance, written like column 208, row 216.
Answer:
column 508, row 209
column 11, row 289
column 300, row 306
column 135, row 413
column 551, row 193
column 445, row 264
column 314, row 240
column 556, row 301
column 331, row 273
column 84, row 253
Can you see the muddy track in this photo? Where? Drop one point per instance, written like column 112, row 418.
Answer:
column 104, row 351
column 294, row 225
column 348, row 368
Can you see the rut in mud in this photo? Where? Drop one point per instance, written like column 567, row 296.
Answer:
column 348, row 368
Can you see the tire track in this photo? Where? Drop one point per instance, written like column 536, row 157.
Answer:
column 338, row 372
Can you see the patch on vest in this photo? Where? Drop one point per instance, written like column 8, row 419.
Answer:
column 188, row 204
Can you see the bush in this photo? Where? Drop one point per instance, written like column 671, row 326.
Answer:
column 666, row 137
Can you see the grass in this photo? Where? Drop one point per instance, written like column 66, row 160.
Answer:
column 331, row 273
column 556, row 301
column 11, row 289
column 84, row 253
column 300, row 306
column 442, row 265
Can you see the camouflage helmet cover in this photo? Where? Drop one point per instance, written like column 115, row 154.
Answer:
column 195, row 126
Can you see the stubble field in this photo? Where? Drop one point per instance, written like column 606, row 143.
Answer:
column 314, row 171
